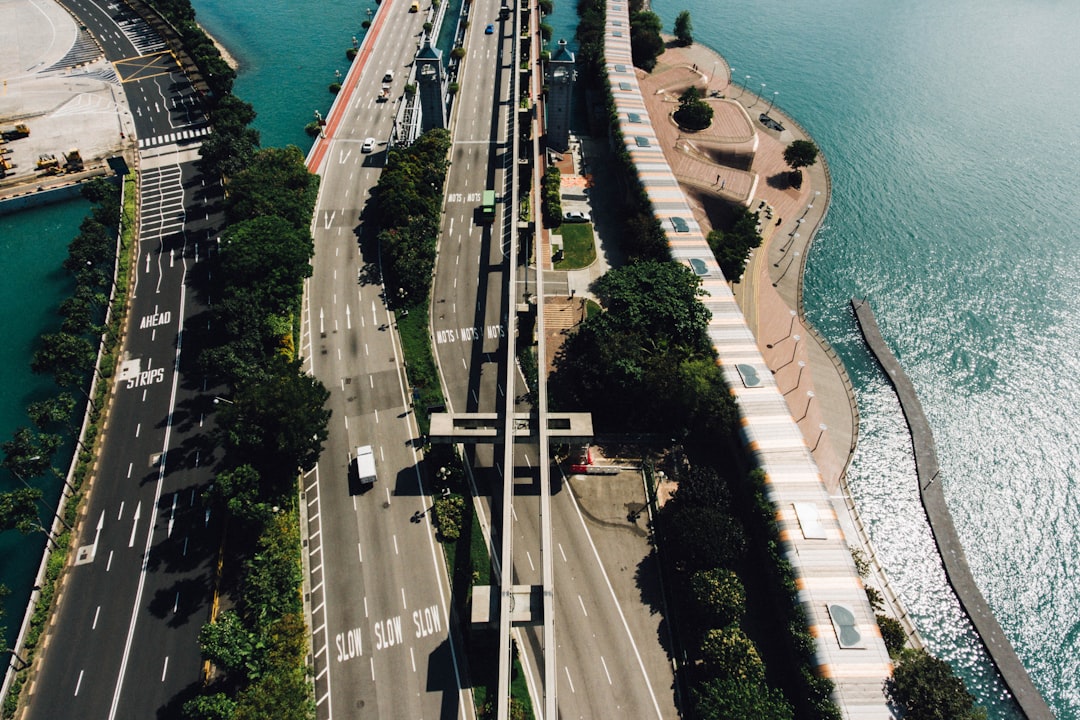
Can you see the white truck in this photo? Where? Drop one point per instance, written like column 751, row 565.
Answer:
column 365, row 465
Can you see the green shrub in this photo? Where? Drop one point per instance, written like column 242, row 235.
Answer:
column 448, row 513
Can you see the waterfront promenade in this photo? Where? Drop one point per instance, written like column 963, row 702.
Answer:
column 750, row 168
column 812, row 537
column 955, row 561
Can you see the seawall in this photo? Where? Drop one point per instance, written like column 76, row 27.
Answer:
column 952, row 554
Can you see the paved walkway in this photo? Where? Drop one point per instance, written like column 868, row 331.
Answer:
column 753, row 172
column 806, row 369
column 941, row 524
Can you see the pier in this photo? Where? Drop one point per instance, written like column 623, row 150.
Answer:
column 958, row 572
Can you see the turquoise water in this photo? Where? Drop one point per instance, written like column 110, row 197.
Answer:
column 288, row 53
column 33, row 243
column 950, row 133
column 949, row 129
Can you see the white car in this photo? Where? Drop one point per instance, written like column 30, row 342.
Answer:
column 576, row 216
column 368, row 146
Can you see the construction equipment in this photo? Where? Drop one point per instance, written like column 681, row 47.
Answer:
column 48, row 164
column 19, row 131
column 73, row 161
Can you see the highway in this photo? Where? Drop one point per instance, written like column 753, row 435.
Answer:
column 379, row 593
column 608, row 658
column 123, row 641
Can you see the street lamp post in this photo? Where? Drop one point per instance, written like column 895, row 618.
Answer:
column 772, row 100
column 731, row 74
column 756, row 98
column 47, row 506
column 218, row 399
column 791, row 326
column 809, row 399
column 821, row 431
column 790, row 263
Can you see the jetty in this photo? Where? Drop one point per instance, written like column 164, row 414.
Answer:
column 971, row 599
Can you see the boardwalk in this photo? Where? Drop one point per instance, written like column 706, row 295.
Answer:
column 941, row 525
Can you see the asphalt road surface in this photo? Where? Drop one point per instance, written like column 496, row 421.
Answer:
column 123, row 641
column 608, row 660
column 379, row 594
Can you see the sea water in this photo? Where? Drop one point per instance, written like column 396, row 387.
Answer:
column 33, row 244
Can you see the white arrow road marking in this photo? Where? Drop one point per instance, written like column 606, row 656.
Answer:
column 328, row 218
column 135, row 524
column 147, row 262
column 172, row 516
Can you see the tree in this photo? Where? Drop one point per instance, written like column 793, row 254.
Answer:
column 719, row 597
column 275, row 182
column 800, row 154
column 239, row 491
column 646, row 44
column 51, row 411
column 926, row 688
column 271, row 576
column 217, row 706
column 730, row 653
column 266, row 260
column 229, row 645
column 277, row 423
column 893, row 633
column 68, row 357
column 700, row 538
column 732, row 246
column 693, row 113
column 684, row 29
column 725, row 698
column 658, row 299
column 29, row 454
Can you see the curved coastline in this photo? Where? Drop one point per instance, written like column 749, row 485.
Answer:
column 767, row 317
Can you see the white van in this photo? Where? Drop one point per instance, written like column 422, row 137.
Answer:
column 365, row 465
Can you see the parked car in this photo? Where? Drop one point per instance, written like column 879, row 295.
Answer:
column 489, row 29
column 576, row 216
column 368, row 146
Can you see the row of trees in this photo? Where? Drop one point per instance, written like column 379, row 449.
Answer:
column 68, row 355
column 271, row 426
column 272, row 421
column 646, row 44
column 704, row 547
column 406, row 207
column 216, row 72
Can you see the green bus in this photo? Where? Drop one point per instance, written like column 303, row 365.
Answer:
column 487, row 207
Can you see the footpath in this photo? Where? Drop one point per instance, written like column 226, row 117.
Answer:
column 739, row 159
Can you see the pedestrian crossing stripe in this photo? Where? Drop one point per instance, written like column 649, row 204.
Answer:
column 173, row 137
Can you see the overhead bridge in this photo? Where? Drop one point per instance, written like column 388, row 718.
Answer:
column 570, row 428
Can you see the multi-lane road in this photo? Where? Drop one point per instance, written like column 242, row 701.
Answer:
column 123, row 640
column 608, row 659
column 379, row 597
